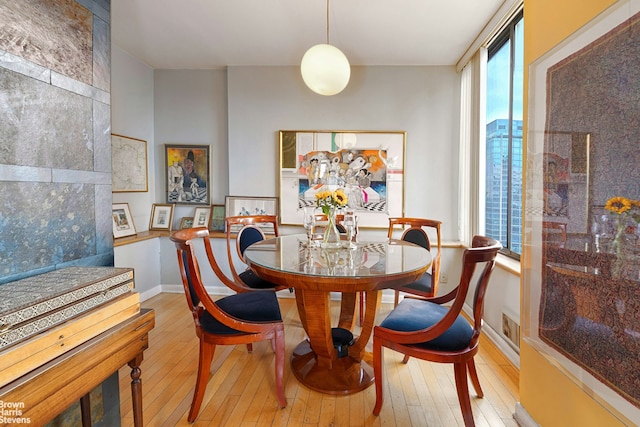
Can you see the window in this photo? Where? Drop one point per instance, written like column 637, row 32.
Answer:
column 503, row 156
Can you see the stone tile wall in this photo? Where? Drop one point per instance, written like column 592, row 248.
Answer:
column 55, row 148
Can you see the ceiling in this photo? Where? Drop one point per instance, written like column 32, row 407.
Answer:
column 206, row 34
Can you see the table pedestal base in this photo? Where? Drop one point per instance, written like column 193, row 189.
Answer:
column 346, row 376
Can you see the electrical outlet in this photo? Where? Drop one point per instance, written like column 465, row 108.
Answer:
column 444, row 278
column 511, row 329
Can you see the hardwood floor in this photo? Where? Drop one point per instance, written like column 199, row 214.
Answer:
column 241, row 389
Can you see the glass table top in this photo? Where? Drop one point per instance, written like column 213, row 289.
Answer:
column 292, row 254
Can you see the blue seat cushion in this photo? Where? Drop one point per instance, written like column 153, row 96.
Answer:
column 252, row 280
column 251, row 306
column 423, row 284
column 414, row 315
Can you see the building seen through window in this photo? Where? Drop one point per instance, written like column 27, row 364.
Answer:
column 503, row 161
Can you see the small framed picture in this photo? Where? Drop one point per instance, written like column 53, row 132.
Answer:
column 243, row 206
column 217, row 218
column 122, row 220
column 186, row 222
column 161, row 217
column 201, row 217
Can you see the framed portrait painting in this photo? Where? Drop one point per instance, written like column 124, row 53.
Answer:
column 161, row 217
column 367, row 165
column 122, row 220
column 188, row 175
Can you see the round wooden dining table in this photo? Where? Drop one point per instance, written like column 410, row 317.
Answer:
column 328, row 361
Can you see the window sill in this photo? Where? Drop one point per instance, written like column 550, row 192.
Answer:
column 509, row 264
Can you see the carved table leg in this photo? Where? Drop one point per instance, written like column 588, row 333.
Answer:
column 315, row 363
column 136, row 390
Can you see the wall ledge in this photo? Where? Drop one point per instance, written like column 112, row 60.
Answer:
column 509, row 264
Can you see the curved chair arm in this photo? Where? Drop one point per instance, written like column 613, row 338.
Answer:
column 189, row 234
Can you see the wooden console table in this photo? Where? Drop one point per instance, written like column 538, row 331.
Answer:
column 44, row 392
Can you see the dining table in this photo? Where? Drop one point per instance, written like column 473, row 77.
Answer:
column 332, row 359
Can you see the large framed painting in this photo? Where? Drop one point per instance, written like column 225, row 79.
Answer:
column 187, row 181
column 129, row 165
column 582, row 292
column 367, row 165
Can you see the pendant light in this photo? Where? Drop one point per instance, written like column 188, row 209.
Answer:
column 325, row 69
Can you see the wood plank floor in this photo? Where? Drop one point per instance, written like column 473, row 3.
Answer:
column 241, row 390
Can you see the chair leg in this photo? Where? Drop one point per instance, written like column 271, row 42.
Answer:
column 460, row 370
column 249, row 348
column 405, row 359
column 279, row 343
column 396, row 298
column 204, row 366
column 473, row 374
column 377, row 374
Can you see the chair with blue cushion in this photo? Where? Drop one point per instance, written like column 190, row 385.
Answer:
column 416, row 231
column 242, row 318
column 242, row 232
column 428, row 330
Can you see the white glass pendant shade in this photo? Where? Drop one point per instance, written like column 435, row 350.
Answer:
column 325, row 69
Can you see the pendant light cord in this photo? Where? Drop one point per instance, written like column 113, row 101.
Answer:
column 327, row 21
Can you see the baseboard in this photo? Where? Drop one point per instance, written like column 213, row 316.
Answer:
column 498, row 340
column 523, row 418
column 151, row 293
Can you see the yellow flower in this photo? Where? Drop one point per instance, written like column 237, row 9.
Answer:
column 340, row 198
column 619, row 204
column 326, row 199
column 321, row 195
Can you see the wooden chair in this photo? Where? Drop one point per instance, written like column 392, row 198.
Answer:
column 242, row 318
column 322, row 218
column 243, row 231
column 428, row 330
column 554, row 233
column 427, row 285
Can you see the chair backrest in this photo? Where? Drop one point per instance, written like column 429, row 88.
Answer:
column 323, row 218
column 195, row 292
column 554, row 233
column 245, row 231
column 186, row 240
column 415, row 231
column 483, row 251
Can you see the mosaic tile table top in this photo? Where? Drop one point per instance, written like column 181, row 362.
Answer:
column 32, row 305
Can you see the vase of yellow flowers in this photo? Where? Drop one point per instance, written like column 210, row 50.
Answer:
column 330, row 201
column 627, row 213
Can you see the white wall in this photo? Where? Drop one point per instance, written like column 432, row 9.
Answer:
column 132, row 115
column 191, row 108
column 423, row 101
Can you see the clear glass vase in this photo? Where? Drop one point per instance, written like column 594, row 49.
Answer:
column 331, row 237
